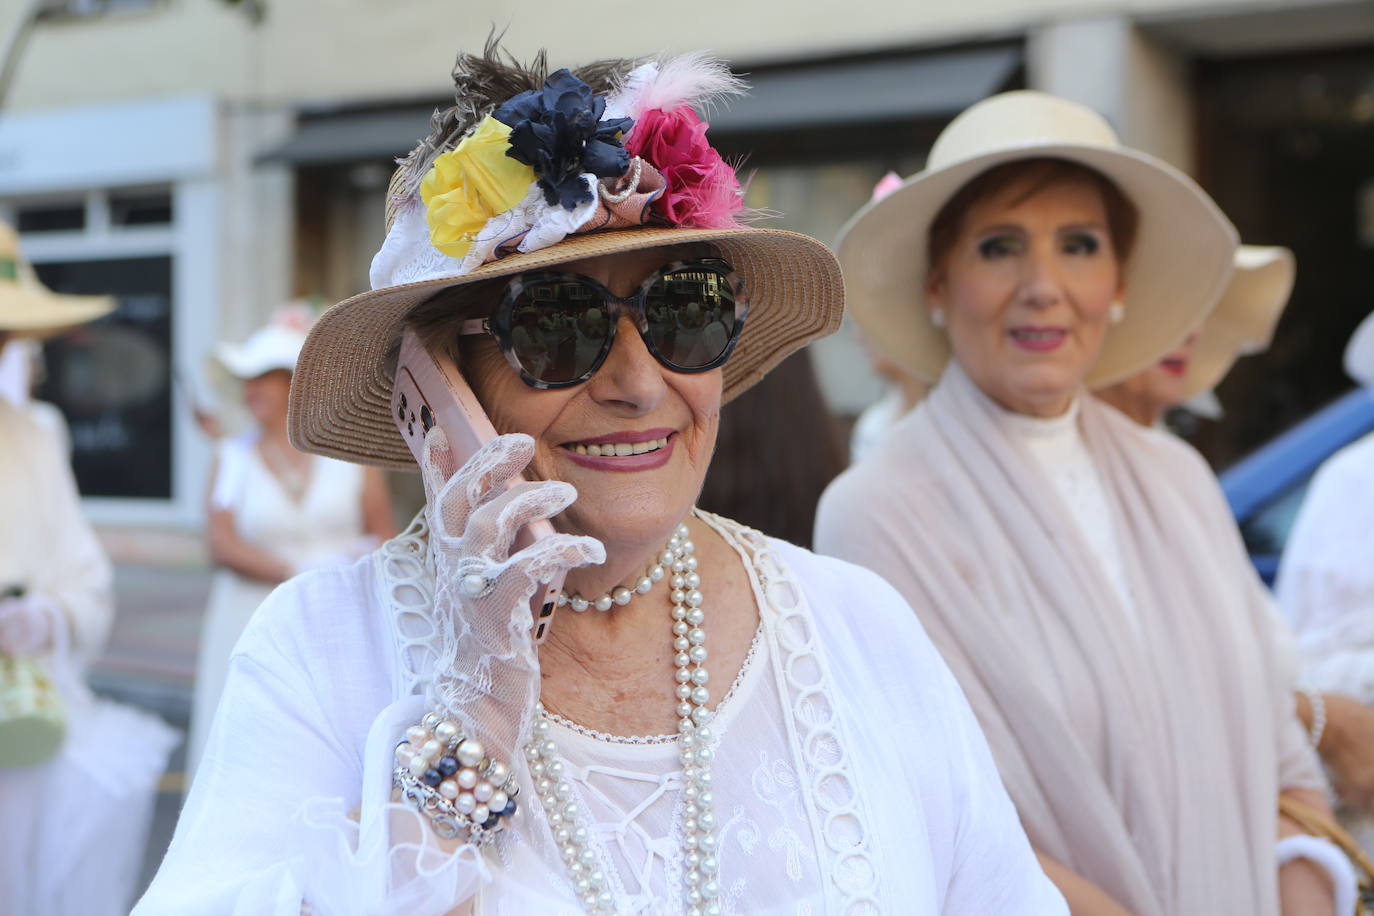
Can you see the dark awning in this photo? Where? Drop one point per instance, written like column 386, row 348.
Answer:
column 911, row 87
column 901, row 88
column 345, row 136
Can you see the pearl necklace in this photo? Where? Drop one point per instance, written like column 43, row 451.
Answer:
column 622, row 594
column 699, row 862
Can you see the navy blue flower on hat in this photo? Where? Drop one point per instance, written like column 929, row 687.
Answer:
column 559, row 133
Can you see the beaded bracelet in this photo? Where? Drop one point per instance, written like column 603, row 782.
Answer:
column 451, row 780
column 1318, row 705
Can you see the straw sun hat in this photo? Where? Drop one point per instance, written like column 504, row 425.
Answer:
column 27, row 307
column 460, row 211
column 1178, row 266
column 1243, row 321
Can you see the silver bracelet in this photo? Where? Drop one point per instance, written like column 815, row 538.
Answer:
column 1318, row 726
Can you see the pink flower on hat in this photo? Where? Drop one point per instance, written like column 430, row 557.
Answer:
column 703, row 191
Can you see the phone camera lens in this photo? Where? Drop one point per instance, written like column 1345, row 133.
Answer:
column 426, row 417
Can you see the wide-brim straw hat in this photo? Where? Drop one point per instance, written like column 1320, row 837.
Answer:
column 27, row 307
column 1243, row 321
column 266, row 350
column 341, row 391
column 1359, row 353
column 1179, row 265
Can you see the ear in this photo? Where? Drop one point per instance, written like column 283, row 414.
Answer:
column 935, row 288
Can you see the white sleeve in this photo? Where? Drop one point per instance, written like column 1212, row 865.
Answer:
column 230, row 474
column 1326, row 579
column 267, row 830
column 994, row 870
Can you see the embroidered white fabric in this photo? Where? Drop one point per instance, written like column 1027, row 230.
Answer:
column 850, row 776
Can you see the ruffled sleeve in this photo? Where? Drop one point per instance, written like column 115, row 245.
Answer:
column 268, row 827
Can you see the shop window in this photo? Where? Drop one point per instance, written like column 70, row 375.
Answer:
column 140, row 208
column 112, row 378
column 69, row 216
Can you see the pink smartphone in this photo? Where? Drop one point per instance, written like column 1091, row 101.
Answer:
column 426, row 394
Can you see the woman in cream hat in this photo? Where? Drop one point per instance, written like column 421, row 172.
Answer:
column 717, row 721
column 1106, row 630
column 1242, row 323
column 1325, row 583
column 273, row 511
column 78, row 775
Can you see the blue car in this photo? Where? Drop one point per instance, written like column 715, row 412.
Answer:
column 1267, row 487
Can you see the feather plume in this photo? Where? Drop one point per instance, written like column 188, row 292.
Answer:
column 695, row 79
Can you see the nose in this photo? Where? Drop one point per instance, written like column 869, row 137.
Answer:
column 630, row 381
column 1042, row 287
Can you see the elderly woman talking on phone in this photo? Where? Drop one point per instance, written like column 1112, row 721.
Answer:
column 716, row 722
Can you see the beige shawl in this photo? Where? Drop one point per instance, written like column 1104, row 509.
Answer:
column 1148, row 760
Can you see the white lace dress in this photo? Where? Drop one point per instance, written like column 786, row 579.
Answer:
column 850, row 774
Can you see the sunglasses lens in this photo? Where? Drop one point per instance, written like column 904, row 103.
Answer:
column 691, row 314
column 558, row 328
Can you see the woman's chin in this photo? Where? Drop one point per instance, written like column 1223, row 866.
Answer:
column 620, row 519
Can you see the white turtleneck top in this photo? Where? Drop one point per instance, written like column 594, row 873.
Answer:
column 1058, row 448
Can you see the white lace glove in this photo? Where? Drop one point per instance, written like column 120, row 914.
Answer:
column 28, row 625
column 486, row 678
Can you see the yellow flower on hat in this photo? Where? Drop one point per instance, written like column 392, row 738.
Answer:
column 470, row 184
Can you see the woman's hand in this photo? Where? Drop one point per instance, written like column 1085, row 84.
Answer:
column 487, row 674
column 27, row 625
column 1347, row 747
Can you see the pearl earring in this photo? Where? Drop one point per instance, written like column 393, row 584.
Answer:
column 937, row 317
column 1116, row 314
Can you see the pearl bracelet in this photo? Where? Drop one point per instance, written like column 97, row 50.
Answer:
column 451, row 780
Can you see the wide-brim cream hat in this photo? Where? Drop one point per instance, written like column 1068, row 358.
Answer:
column 27, row 307
column 341, row 390
column 1243, row 321
column 1178, row 266
column 1359, row 353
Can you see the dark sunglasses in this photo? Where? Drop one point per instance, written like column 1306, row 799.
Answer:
column 557, row 328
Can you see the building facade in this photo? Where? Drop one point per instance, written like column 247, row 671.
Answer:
column 207, row 165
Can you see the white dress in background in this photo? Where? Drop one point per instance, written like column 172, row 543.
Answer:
column 323, row 527
column 1325, row 585
column 850, row 775
column 72, row 830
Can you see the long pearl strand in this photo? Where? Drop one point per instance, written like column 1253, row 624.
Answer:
column 699, row 863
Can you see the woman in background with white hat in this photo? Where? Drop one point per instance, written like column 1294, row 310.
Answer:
column 78, row 775
column 1242, row 323
column 1325, row 584
column 274, row 511
column 1106, row 630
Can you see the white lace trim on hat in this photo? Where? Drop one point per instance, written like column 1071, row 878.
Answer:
column 408, row 256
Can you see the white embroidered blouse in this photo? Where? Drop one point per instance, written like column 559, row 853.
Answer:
column 850, row 774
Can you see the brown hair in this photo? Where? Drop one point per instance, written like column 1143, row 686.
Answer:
column 1036, row 175
column 785, row 418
